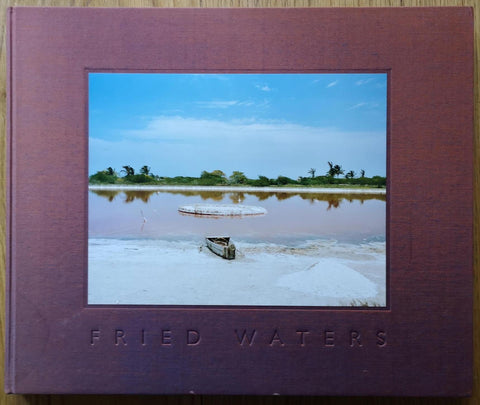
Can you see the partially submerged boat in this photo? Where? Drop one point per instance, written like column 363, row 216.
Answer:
column 221, row 246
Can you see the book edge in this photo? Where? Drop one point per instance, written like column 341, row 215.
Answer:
column 9, row 269
column 9, row 383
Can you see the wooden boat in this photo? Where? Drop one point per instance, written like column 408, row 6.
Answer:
column 222, row 247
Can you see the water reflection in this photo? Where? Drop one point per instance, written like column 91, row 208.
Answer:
column 334, row 200
column 108, row 194
column 237, row 198
column 333, row 204
column 291, row 216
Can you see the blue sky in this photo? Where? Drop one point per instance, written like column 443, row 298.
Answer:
column 260, row 124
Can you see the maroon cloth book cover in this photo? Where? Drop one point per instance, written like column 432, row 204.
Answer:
column 68, row 332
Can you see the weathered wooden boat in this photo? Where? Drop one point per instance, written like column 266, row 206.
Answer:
column 222, row 247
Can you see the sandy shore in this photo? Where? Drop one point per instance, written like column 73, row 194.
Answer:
column 320, row 190
column 160, row 272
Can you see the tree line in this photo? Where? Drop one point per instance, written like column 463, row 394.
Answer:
column 127, row 175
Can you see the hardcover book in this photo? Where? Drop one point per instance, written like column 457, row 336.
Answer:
column 240, row 201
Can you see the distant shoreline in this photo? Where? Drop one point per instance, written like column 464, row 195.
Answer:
column 318, row 190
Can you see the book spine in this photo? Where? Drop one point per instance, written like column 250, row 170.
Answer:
column 9, row 383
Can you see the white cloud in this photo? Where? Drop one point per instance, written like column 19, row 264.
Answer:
column 361, row 82
column 263, row 87
column 358, row 105
column 224, row 104
column 174, row 145
column 331, row 84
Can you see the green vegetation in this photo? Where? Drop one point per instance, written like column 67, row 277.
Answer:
column 218, row 178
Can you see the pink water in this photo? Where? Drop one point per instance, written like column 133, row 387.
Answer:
column 291, row 217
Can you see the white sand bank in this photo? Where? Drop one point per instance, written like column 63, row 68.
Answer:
column 159, row 272
column 319, row 190
column 222, row 209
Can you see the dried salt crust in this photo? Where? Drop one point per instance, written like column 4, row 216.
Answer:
column 180, row 272
column 222, row 209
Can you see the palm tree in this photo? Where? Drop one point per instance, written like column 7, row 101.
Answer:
column 331, row 171
column 110, row 171
column 362, row 173
column 350, row 175
column 128, row 170
column 335, row 170
column 312, row 172
column 145, row 170
column 338, row 170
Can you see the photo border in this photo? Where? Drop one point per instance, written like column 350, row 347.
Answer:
column 243, row 306
column 421, row 345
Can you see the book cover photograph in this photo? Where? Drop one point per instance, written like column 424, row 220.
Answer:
column 291, row 236
column 239, row 201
